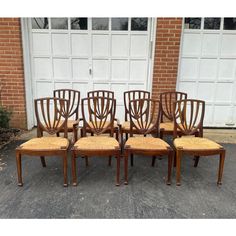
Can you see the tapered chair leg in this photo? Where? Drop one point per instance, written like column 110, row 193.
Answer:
column 75, row 131
column 221, row 168
column 126, row 156
column 170, row 160
column 153, row 161
column 175, row 159
column 65, row 170
column 196, row 161
column 118, row 170
column 19, row 169
column 58, row 134
column 178, row 166
column 42, row 158
column 73, row 168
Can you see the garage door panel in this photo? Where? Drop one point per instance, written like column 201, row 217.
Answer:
column 138, row 47
column 42, row 68
column 138, row 70
column 206, row 91
column 188, row 87
column 44, row 89
column 101, row 86
column 61, row 68
column 100, row 45
column 41, row 44
column 119, row 45
column 210, row 45
column 100, row 69
column 139, row 86
column 228, row 47
column 80, row 45
column 208, row 69
column 189, row 69
column 226, row 118
column 227, row 69
column 119, row 70
column 118, row 91
column 223, row 92
column 60, row 44
column 191, row 45
column 80, row 69
column 62, row 85
column 208, row 115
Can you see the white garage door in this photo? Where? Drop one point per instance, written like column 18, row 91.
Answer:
column 208, row 67
column 90, row 54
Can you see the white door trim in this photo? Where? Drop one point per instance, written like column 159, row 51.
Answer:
column 27, row 73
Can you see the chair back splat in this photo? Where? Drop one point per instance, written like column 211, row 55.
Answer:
column 144, row 116
column 51, row 115
column 101, row 93
column 188, row 117
column 167, row 100
column 101, row 114
column 73, row 96
column 132, row 95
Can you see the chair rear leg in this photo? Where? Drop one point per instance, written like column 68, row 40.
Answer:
column 75, row 131
column 58, row 134
column 175, row 159
column 42, row 158
column 126, row 157
column 221, row 168
column 196, row 161
column 19, row 168
column 65, row 169
column 86, row 161
column 118, row 170
column 153, row 161
column 73, row 168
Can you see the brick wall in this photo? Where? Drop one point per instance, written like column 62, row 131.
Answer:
column 166, row 55
column 11, row 70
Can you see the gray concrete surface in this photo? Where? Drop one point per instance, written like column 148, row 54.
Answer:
column 96, row 196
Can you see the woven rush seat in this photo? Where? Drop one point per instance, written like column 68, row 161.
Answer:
column 146, row 143
column 45, row 143
column 195, row 143
column 97, row 143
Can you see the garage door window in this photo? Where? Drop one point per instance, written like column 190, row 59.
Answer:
column 229, row 23
column 212, row 23
column 139, row 24
column 59, row 23
column 192, row 23
column 40, row 23
column 79, row 23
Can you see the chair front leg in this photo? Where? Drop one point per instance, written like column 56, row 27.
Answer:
column 109, row 160
column 196, row 161
column 64, row 156
column 221, row 167
column 73, row 168
column 153, row 160
column 19, row 168
column 178, row 166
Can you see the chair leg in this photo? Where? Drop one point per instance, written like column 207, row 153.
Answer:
column 75, row 131
column 178, row 166
column 170, row 160
column 175, row 159
column 196, row 161
column 126, row 157
column 132, row 159
column 117, row 135
column 42, row 158
column 118, row 170
column 73, row 168
column 65, row 169
column 221, row 168
column 153, row 161
column 58, row 134
column 19, row 169
column 109, row 161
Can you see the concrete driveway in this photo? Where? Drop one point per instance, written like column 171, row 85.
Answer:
column 96, row 196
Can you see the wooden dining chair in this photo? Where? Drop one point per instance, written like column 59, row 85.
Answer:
column 106, row 94
column 98, row 116
column 188, row 119
column 73, row 97
column 51, row 115
column 167, row 100
column 125, row 126
column 145, row 120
